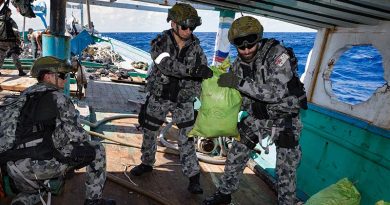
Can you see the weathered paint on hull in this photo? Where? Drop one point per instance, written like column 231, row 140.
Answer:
column 335, row 146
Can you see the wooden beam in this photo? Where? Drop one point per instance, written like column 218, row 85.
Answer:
column 325, row 11
column 279, row 16
column 298, row 13
column 123, row 5
column 359, row 9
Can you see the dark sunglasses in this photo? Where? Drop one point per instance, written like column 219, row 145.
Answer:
column 246, row 41
column 63, row 76
column 190, row 23
column 246, row 46
column 185, row 27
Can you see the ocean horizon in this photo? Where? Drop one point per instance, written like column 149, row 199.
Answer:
column 356, row 75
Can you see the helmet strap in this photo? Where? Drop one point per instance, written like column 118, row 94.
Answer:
column 56, row 77
column 176, row 31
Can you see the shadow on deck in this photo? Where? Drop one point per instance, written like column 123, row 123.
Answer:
column 106, row 99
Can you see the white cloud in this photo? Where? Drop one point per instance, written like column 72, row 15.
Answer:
column 126, row 20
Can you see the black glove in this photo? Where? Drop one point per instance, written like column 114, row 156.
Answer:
column 228, row 80
column 202, row 71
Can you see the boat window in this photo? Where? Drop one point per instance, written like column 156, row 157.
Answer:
column 357, row 74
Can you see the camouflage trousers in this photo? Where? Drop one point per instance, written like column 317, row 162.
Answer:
column 236, row 160
column 287, row 162
column 39, row 171
column 4, row 48
column 181, row 113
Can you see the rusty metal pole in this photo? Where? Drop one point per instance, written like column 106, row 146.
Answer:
column 24, row 29
column 89, row 14
column 57, row 17
column 56, row 43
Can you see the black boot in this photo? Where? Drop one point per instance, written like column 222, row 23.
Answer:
column 22, row 73
column 141, row 169
column 194, row 186
column 218, row 198
column 99, row 202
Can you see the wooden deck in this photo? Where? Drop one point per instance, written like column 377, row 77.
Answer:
column 9, row 80
column 107, row 98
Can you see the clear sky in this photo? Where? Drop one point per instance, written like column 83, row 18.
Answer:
column 126, row 20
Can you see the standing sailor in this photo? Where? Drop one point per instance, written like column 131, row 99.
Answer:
column 265, row 73
column 9, row 39
column 179, row 68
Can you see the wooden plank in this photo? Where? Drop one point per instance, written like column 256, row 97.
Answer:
column 134, row 80
column 9, row 80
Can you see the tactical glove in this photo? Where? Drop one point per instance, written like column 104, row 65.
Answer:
column 228, row 80
column 202, row 71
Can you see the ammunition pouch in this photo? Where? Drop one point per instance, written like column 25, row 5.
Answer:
column 188, row 123
column 141, row 115
column 260, row 110
column 171, row 90
column 82, row 156
column 303, row 102
column 247, row 137
column 144, row 119
column 286, row 139
column 296, row 88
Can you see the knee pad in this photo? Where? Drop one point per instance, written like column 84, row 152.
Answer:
column 286, row 139
column 147, row 121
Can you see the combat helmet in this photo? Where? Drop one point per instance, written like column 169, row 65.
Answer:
column 7, row 9
column 245, row 26
column 52, row 64
column 184, row 14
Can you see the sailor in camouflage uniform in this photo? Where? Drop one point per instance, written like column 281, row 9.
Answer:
column 10, row 39
column 265, row 74
column 179, row 67
column 72, row 147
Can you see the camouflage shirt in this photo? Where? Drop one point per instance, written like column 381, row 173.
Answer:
column 171, row 63
column 265, row 78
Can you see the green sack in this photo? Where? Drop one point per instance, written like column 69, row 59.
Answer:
column 343, row 192
column 218, row 113
column 381, row 202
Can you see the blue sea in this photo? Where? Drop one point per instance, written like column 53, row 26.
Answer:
column 356, row 75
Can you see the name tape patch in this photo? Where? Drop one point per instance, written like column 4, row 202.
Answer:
column 280, row 60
